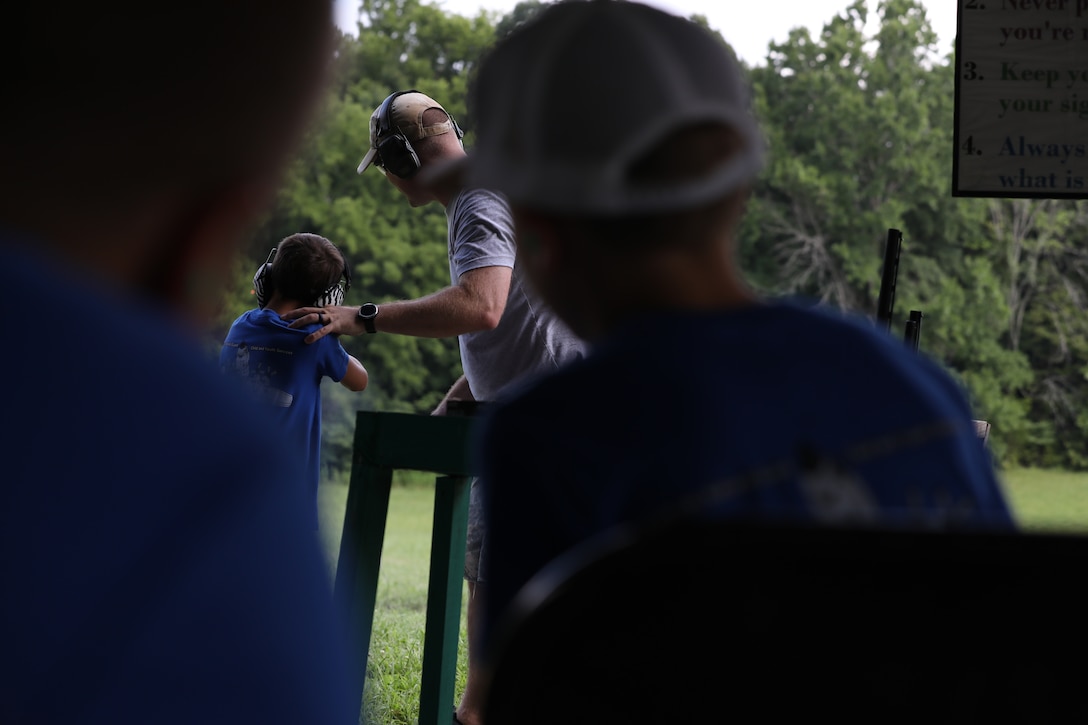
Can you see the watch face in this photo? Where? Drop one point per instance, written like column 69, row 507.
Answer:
column 367, row 313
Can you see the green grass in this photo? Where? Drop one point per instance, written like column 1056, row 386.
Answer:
column 1048, row 500
column 396, row 648
column 1042, row 500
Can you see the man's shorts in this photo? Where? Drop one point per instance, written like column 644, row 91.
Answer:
column 475, row 566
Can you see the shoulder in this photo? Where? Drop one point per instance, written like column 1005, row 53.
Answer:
column 816, row 329
column 481, row 204
column 243, row 321
column 820, row 319
column 481, row 231
column 865, row 336
column 855, row 339
column 475, row 197
column 264, row 326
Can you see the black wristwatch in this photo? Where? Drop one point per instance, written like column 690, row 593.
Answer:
column 366, row 315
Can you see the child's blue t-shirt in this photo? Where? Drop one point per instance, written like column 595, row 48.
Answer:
column 285, row 373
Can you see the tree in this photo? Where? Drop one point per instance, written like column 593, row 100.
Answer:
column 860, row 136
column 859, row 127
column 1042, row 249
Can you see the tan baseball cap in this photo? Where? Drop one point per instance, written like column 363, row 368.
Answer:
column 402, row 113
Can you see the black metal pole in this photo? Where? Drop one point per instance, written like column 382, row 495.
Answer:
column 886, row 301
column 913, row 331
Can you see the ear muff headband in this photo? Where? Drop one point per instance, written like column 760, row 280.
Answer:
column 395, row 152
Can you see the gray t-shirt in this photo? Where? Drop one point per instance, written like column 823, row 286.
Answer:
column 529, row 339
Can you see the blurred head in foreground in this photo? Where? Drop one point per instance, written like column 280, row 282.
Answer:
column 623, row 138
column 141, row 146
column 155, row 531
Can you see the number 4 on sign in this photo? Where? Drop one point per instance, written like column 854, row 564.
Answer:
column 970, row 148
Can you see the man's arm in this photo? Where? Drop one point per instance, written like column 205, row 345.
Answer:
column 458, row 391
column 475, row 303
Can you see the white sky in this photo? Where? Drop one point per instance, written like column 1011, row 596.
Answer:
column 748, row 25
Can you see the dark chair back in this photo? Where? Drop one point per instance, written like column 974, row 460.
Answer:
column 736, row 622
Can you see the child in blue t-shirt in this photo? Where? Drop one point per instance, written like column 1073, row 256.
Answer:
column 303, row 270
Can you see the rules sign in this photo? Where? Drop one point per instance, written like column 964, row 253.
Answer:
column 1021, row 118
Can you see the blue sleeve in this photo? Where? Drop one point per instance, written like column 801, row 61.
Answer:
column 333, row 360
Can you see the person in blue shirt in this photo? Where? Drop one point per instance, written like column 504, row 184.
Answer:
column 628, row 177
column 277, row 365
column 157, row 559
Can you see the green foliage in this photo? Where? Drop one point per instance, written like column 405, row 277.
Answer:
column 856, row 139
column 858, row 120
column 521, row 14
column 1042, row 252
column 860, row 133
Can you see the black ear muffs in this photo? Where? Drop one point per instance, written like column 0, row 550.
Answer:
column 398, row 157
column 395, row 153
column 261, row 288
column 334, row 296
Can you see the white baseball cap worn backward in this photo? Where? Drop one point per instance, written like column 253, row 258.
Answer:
column 573, row 99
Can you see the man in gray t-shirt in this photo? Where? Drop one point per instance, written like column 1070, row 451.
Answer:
column 505, row 333
column 529, row 338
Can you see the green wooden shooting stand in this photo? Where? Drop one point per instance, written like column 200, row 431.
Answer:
column 384, row 442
